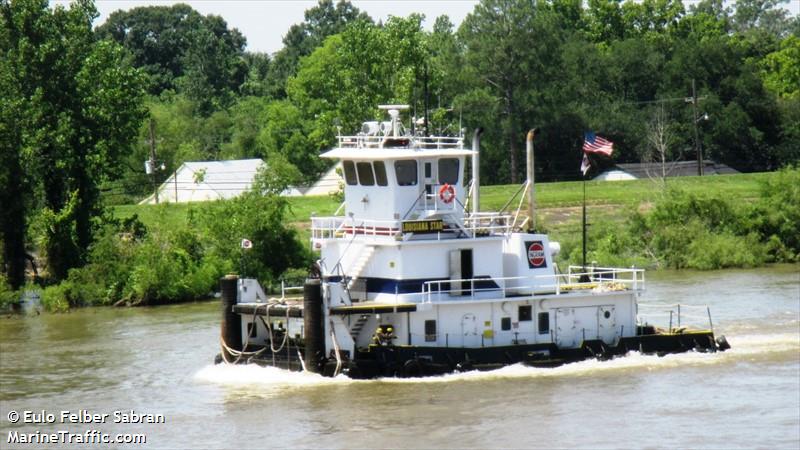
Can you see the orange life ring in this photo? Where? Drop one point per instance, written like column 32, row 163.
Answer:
column 447, row 193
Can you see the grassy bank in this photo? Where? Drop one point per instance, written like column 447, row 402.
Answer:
column 629, row 221
column 164, row 253
column 610, row 199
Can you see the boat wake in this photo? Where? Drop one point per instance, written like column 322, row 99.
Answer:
column 746, row 348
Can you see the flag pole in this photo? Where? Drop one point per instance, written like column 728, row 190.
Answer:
column 583, row 227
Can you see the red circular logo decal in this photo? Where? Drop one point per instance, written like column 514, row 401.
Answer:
column 536, row 254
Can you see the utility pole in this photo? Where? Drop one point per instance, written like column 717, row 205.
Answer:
column 693, row 100
column 153, row 158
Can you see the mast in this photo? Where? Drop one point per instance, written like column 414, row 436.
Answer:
column 476, row 171
column 531, row 175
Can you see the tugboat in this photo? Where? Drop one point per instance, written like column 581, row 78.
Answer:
column 414, row 280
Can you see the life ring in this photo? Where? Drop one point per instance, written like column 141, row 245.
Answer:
column 447, row 193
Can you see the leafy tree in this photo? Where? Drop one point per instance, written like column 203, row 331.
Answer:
column 511, row 50
column 761, row 14
column 172, row 43
column 79, row 106
column 256, row 82
column 321, row 21
column 343, row 82
column 14, row 182
column 781, row 69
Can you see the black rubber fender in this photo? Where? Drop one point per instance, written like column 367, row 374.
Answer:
column 722, row 344
column 412, row 369
column 218, row 359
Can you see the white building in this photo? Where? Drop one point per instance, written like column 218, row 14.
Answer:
column 331, row 182
column 201, row 181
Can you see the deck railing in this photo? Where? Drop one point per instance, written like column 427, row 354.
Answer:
column 417, row 142
column 674, row 317
column 605, row 280
column 632, row 276
column 342, row 226
column 489, row 223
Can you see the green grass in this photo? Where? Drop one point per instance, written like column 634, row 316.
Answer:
column 633, row 192
column 607, row 200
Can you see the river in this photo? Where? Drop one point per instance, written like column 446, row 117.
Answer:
column 158, row 361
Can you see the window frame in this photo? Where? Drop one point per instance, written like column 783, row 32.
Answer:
column 442, row 178
column 543, row 318
column 528, row 315
column 409, row 163
column 365, row 165
column 381, row 180
column 430, row 325
column 352, row 172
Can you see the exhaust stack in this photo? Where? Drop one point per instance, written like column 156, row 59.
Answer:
column 531, row 186
column 476, row 171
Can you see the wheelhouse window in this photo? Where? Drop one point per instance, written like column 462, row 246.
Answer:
column 365, row 175
column 350, row 173
column 406, row 172
column 380, row 173
column 448, row 170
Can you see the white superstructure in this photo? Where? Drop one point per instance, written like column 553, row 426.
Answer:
column 405, row 236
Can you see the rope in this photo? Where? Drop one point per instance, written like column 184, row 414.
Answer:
column 268, row 325
column 336, row 349
column 238, row 354
column 250, row 355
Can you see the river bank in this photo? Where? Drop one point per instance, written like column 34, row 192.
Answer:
column 176, row 252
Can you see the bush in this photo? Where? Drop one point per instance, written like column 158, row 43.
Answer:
column 262, row 220
column 8, row 296
column 776, row 215
column 685, row 231
column 720, row 251
column 56, row 298
column 179, row 260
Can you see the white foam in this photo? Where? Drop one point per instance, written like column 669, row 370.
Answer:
column 744, row 347
column 251, row 374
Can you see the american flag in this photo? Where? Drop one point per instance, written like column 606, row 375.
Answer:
column 596, row 144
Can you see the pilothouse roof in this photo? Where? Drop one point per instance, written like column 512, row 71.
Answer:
column 371, row 154
column 391, row 140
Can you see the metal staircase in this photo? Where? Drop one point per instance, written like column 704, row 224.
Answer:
column 360, row 264
column 357, row 327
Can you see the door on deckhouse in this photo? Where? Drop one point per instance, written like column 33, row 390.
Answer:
column 469, row 330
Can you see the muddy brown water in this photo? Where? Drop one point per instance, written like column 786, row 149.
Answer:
column 158, row 361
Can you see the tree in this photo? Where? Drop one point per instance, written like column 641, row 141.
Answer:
column 765, row 15
column 321, row 21
column 13, row 180
column 781, row 69
column 78, row 102
column 171, row 42
column 660, row 139
column 342, row 83
column 258, row 69
column 511, row 50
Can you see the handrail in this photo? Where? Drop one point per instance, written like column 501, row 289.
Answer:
column 421, row 142
column 676, row 314
column 489, row 222
column 554, row 284
column 329, row 227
